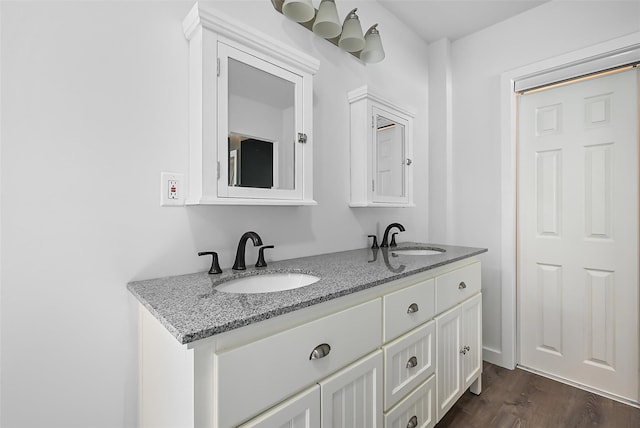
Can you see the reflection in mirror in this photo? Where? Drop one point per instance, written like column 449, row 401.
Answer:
column 390, row 157
column 261, row 143
column 252, row 162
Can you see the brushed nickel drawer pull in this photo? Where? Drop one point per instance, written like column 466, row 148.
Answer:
column 413, row 361
column 320, row 351
column 413, row 308
column 462, row 286
column 413, row 422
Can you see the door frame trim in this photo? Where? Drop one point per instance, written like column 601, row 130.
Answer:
column 508, row 356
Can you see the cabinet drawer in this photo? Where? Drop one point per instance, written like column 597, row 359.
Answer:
column 253, row 377
column 417, row 410
column 408, row 361
column 454, row 287
column 408, row 308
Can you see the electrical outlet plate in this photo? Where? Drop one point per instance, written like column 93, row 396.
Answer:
column 172, row 188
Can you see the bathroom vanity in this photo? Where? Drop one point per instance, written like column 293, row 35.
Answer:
column 384, row 338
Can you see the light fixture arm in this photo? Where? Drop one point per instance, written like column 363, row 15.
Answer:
column 351, row 15
column 372, row 30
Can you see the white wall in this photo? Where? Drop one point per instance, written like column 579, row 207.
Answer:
column 477, row 62
column 94, row 107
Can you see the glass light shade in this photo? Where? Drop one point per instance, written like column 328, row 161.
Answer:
column 351, row 39
column 373, row 51
column 327, row 23
column 298, row 10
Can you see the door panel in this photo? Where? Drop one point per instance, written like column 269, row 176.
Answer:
column 578, row 232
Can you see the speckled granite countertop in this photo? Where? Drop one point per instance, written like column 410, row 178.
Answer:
column 191, row 309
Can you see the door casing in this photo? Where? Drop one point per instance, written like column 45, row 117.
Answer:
column 507, row 356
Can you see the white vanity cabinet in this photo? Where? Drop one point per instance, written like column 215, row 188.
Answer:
column 381, row 143
column 250, row 115
column 395, row 355
column 459, row 332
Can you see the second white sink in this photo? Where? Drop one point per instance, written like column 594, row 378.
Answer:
column 417, row 252
column 267, row 283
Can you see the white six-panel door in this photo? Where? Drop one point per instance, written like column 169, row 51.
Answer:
column 578, row 232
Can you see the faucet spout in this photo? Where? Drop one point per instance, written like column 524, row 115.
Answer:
column 385, row 239
column 239, row 264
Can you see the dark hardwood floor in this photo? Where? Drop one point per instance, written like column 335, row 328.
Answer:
column 519, row 399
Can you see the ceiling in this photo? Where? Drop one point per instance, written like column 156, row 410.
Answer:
column 454, row 19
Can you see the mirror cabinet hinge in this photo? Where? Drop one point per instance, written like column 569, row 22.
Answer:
column 373, row 185
column 218, row 67
column 218, row 170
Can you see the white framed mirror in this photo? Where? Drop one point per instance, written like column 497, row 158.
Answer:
column 251, row 100
column 381, row 151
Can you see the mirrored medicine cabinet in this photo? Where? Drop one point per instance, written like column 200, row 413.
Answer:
column 250, row 115
column 381, row 151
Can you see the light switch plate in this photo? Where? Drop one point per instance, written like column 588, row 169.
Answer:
column 172, row 189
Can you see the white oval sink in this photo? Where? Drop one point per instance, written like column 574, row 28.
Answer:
column 267, row 283
column 417, row 252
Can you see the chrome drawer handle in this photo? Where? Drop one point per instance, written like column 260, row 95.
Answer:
column 413, row 422
column 462, row 286
column 413, row 308
column 413, row 361
column 320, row 351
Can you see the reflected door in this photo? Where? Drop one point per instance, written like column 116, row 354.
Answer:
column 390, row 158
column 578, row 232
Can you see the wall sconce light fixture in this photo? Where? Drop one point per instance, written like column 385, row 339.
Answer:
column 325, row 23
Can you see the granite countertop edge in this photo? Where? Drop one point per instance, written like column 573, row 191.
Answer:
column 190, row 309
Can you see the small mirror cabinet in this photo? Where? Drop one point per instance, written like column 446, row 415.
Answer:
column 250, row 115
column 381, row 151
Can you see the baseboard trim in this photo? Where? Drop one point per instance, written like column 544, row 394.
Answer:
column 496, row 357
column 581, row 386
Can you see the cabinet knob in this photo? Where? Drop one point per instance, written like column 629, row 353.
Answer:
column 412, row 308
column 462, row 286
column 302, row 138
column 408, row 161
column 413, row 422
column 463, row 351
column 413, row 361
column 320, row 351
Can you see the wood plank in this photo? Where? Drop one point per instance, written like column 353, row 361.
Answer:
column 519, row 399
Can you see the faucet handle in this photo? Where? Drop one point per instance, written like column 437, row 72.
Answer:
column 261, row 262
column 375, row 241
column 215, row 267
column 393, row 240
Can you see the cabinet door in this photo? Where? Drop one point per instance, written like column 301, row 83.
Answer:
column 301, row 411
column 448, row 327
column 353, row 396
column 471, row 340
column 390, row 157
column 260, row 113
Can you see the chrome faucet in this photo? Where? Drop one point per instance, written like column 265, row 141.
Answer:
column 385, row 239
column 239, row 263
